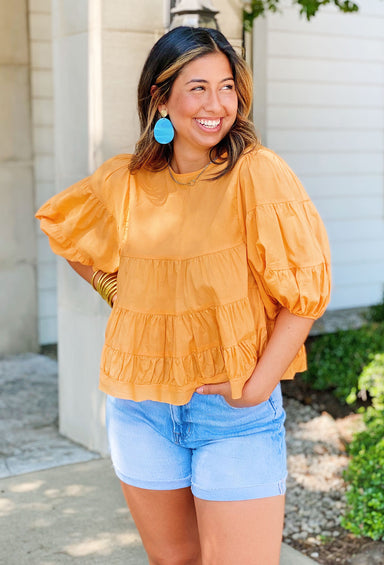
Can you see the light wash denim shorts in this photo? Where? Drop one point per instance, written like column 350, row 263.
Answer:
column 221, row 452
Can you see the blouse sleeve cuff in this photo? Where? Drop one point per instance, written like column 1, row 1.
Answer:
column 303, row 291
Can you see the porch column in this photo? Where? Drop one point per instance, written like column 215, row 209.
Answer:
column 99, row 47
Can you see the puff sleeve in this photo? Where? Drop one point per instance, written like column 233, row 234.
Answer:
column 83, row 222
column 287, row 245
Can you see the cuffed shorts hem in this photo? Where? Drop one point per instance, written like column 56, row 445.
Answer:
column 153, row 485
column 222, row 494
column 244, row 493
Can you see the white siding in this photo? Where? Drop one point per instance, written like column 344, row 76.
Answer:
column 40, row 37
column 324, row 113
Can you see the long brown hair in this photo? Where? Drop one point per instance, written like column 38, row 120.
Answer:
column 168, row 56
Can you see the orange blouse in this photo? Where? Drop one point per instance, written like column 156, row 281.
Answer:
column 203, row 269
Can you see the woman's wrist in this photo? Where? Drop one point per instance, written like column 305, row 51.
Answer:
column 106, row 285
column 258, row 387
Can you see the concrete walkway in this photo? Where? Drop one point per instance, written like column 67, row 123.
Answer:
column 74, row 514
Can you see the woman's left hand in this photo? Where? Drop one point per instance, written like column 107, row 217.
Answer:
column 247, row 399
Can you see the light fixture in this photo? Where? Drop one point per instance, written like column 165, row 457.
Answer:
column 194, row 13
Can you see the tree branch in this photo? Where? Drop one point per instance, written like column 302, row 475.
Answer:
column 308, row 8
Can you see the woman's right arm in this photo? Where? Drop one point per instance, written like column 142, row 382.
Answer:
column 86, row 272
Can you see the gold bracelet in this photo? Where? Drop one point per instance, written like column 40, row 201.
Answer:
column 93, row 277
column 108, row 293
column 106, row 286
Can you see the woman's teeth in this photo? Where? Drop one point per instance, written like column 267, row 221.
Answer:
column 209, row 123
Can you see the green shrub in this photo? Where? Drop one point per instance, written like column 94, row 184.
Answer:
column 365, row 472
column 371, row 436
column 336, row 360
column 365, row 478
column 351, row 364
column 371, row 383
column 376, row 312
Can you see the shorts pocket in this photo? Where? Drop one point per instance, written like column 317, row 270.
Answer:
column 273, row 405
column 258, row 409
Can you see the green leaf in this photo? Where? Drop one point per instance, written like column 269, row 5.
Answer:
column 307, row 8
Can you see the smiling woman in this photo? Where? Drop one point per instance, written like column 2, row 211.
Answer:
column 216, row 263
column 176, row 54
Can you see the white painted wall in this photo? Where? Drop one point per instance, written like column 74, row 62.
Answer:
column 40, row 46
column 319, row 102
column 18, row 331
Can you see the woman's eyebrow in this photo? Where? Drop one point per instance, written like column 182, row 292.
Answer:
column 206, row 82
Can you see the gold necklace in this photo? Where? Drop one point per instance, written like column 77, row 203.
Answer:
column 191, row 182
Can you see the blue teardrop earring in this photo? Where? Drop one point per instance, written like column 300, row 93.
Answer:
column 163, row 131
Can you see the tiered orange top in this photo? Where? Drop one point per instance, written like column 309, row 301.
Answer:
column 203, row 269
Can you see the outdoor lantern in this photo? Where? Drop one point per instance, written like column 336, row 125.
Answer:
column 194, row 13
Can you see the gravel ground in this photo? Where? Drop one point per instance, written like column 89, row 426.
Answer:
column 316, row 458
column 315, row 489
